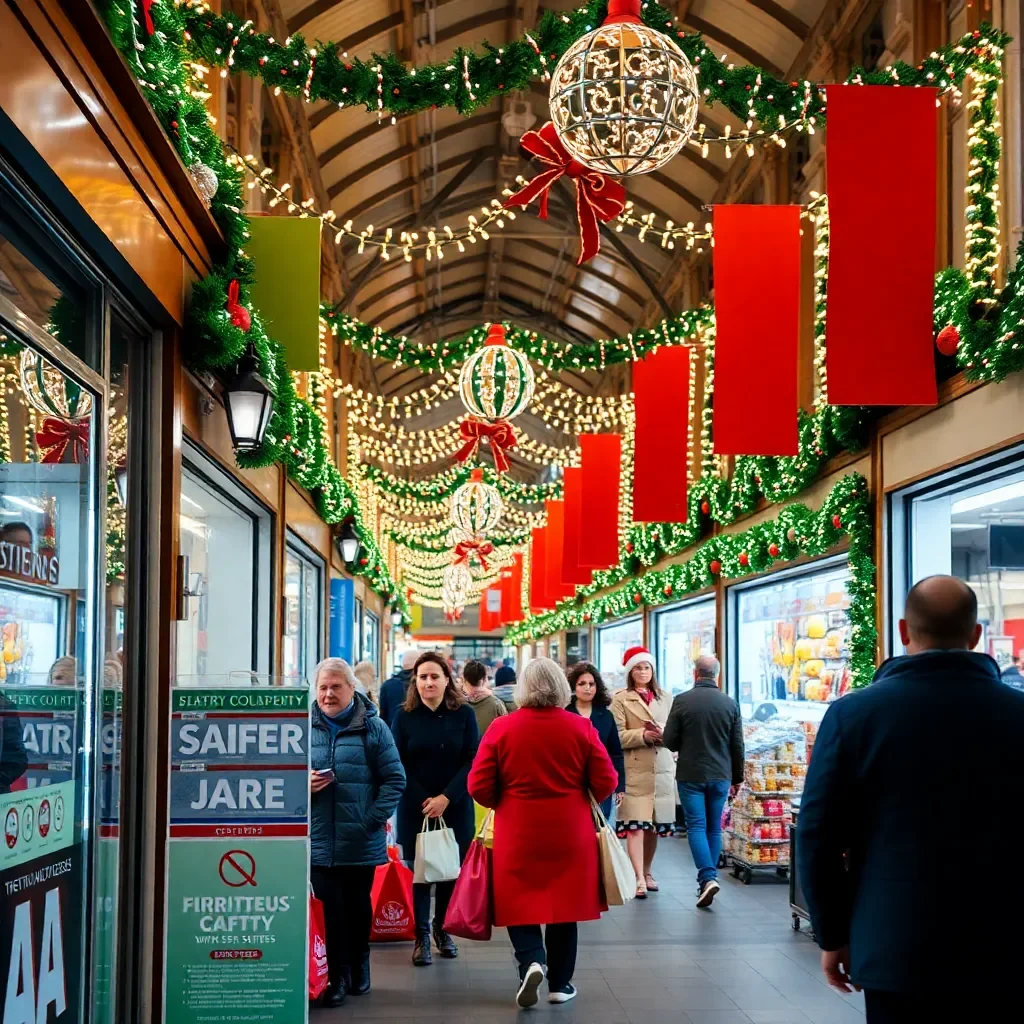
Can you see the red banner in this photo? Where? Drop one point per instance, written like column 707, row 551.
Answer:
column 554, row 551
column 757, row 340
column 538, row 573
column 512, row 591
column 490, row 608
column 601, row 462
column 881, row 167
column 572, row 495
column 661, row 389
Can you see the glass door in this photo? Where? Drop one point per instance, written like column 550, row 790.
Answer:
column 302, row 631
column 52, row 444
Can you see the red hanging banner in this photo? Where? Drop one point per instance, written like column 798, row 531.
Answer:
column 538, row 573
column 601, row 463
column 757, row 329
column 554, row 550
column 572, row 495
column 881, row 165
column 661, row 390
column 512, row 591
column 490, row 608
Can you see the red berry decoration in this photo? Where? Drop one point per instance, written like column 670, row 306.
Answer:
column 773, row 550
column 629, row 546
column 744, row 558
column 637, row 598
column 363, row 561
column 715, row 567
column 837, row 522
column 948, row 340
column 705, row 507
column 586, row 618
column 654, row 536
column 668, row 590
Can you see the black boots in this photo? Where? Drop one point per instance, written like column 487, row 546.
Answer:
column 359, row 977
column 421, row 952
column 335, row 994
column 445, row 946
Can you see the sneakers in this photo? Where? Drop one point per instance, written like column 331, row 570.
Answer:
column 421, row 951
column 527, row 994
column 562, row 995
column 445, row 944
column 706, row 892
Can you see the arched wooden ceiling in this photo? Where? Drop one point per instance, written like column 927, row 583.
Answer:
column 436, row 168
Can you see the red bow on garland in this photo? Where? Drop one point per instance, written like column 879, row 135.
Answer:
column 598, row 197
column 499, row 433
column 146, row 6
column 56, row 435
column 481, row 549
column 239, row 314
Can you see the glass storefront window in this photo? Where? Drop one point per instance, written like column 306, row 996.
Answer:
column 613, row 641
column 968, row 523
column 371, row 638
column 225, row 538
column 788, row 644
column 682, row 635
column 302, row 642
column 577, row 647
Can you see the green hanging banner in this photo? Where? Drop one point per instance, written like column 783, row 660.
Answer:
column 286, row 255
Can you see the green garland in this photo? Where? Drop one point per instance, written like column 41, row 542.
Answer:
column 846, row 511
column 295, row 436
column 441, row 486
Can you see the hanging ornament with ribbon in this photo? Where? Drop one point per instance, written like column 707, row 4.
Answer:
column 474, row 546
column 599, row 198
column 63, row 440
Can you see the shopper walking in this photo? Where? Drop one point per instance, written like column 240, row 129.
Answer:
column 537, row 769
column 505, row 685
column 705, row 727
column 394, row 689
column 355, row 782
column 591, row 700
column 436, row 735
column 648, row 809
column 904, row 916
column 486, row 707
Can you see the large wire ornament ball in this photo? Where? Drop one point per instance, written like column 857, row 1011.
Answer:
column 49, row 391
column 456, row 585
column 476, row 506
column 497, row 381
column 624, row 99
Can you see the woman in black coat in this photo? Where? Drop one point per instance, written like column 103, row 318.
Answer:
column 591, row 699
column 436, row 735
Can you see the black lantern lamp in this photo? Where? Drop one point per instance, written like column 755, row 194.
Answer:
column 248, row 402
column 349, row 542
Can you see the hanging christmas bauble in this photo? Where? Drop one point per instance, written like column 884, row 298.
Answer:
column 496, row 383
column 476, row 506
column 205, row 180
column 456, row 584
column 624, row 97
column 49, row 391
column 948, row 340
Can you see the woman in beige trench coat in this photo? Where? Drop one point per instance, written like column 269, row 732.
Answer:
column 648, row 809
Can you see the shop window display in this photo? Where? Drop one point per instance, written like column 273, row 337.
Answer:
column 371, row 637
column 613, row 641
column 682, row 635
column 789, row 659
column 301, row 643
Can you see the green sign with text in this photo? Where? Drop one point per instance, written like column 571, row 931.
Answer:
column 236, row 931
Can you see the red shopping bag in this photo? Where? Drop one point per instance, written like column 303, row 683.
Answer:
column 471, row 909
column 391, row 899
column 318, row 979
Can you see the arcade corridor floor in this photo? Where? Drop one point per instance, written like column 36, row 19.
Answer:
column 651, row 961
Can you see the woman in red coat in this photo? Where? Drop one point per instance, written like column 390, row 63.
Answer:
column 536, row 769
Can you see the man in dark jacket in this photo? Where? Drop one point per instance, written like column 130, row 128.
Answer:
column 888, row 894
column 704, row 725
column 394, row 688
column 357, row 778
column 505, row 686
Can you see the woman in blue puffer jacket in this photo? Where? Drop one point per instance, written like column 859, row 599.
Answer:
column 356, row 780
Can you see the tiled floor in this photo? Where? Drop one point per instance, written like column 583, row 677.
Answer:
column 654, row 960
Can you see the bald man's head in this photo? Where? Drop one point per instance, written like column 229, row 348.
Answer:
column 941, row 615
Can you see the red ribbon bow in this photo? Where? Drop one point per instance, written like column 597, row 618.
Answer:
column 481, row 549
column 499, row 433
column 598, row 197
column 146, row 7
column 239, row 314
column 56, row 435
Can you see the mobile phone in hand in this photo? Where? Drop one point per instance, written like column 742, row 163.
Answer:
column 324, row 773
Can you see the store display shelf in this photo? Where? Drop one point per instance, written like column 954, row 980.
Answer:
column 765, row 760
column 776, row 793
column 738, row 813
column 757, row 842
column 744, row 869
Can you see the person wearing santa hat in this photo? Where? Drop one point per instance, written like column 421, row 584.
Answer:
column 648, row 809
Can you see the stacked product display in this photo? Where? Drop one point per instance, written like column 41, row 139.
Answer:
column 757, row 829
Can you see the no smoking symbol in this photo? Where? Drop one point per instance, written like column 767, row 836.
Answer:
column 237, row 868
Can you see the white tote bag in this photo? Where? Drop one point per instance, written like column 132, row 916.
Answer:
column 437, row 853
column 616, row 870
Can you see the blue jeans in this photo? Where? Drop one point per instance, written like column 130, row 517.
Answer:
column 702, row 804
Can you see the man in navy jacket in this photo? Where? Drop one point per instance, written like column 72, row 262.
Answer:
column 914, row 785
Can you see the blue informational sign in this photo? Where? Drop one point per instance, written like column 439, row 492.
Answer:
column 342, row 618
